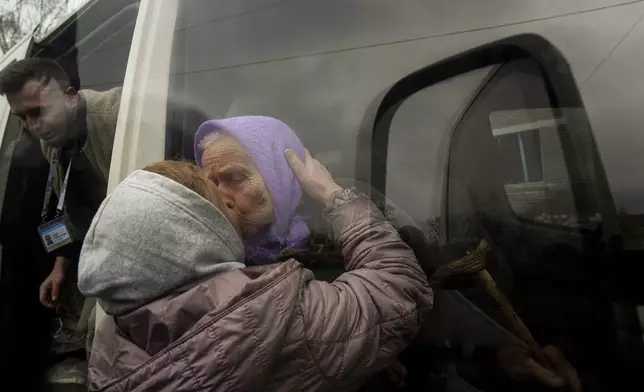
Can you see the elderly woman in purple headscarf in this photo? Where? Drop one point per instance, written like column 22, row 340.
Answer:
column 244, row 157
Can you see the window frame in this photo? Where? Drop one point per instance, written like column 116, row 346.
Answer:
column 140, row 131
column 562, row 91
column 139, row 138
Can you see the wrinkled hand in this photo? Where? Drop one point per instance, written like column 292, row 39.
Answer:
column 517, row 362
column 314, row 178
column 50, row 288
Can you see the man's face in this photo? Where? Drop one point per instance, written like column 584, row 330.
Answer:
column 46, row 110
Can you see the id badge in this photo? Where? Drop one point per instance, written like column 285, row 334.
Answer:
column 55, row 234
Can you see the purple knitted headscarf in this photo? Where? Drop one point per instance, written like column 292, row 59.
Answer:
column 265, row 139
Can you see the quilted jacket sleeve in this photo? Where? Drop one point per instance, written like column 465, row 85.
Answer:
column 356, row 326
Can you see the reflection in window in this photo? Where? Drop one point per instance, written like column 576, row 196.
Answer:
column 538, row 185
column 525, row 151
column 507, row 155
column 527, row 137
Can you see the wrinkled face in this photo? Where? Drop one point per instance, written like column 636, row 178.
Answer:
column 46, row 110
column 223, row 202
column 239, row 183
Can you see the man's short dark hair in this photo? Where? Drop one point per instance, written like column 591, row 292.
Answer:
column 15, row 75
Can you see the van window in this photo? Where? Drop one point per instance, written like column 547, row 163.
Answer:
column 95, row 47
column 416, row 151
column 323, row 96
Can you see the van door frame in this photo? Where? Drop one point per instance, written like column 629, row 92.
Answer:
column 140, row 131
column 139, row 138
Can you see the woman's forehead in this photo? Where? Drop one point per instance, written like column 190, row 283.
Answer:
column 223, row 150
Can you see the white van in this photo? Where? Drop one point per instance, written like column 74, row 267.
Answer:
column 515, row 121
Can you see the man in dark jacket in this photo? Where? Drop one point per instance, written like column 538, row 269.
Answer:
column 76, row 134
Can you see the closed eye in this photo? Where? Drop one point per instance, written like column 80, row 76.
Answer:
column 233, row 176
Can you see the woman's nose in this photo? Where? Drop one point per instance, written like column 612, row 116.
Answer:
column 230, row 203
column 228, row 200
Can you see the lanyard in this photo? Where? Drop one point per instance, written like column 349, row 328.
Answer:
column 53, row 168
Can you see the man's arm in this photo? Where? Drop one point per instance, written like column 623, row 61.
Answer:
column 50, row 288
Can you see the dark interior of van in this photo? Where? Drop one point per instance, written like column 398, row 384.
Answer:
column 96, row 30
